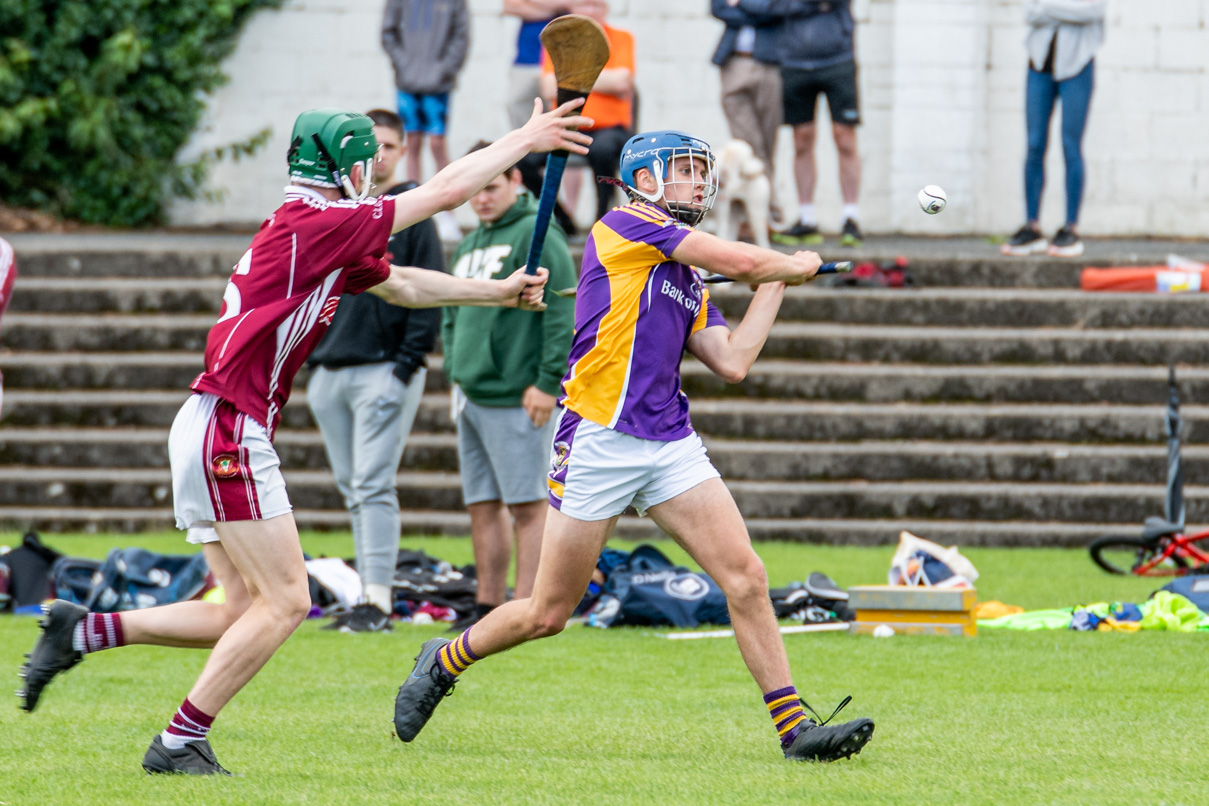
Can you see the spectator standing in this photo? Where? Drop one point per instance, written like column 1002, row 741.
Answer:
column 750, row 61
column 818, row 56
column 367, row 380
column 506, row 372
column 610, row 105
column 1062, row 41
column 427, row 42
column 524, row 79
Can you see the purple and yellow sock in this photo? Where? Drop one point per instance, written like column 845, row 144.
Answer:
column 786, row 711
column 456, row 657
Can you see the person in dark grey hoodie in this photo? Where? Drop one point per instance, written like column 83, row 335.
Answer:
column 427, row 42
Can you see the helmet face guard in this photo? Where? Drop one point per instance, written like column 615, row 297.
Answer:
column 663, row 152
column 325, row 146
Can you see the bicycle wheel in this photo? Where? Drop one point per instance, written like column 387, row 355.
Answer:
column 1121, row 554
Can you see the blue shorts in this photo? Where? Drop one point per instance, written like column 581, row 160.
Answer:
column 424, row 113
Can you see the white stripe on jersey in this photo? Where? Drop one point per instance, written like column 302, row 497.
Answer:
column 291, row 332
column 223, row 351
column 289, row 291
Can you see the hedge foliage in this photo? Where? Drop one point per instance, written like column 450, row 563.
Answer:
column 98, row 96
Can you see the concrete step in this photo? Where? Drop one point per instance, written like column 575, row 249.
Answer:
column 853, row 532
column 801, row 341
column 769, row 378
column 118, row 294
column 983, row 307
column 976, row 345
column 715, row 418
column 916, row 500
column 120, row 448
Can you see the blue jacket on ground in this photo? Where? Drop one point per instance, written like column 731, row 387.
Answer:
column 768, row 33
column 817, row 33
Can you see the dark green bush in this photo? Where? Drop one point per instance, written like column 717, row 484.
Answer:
column 98, row 96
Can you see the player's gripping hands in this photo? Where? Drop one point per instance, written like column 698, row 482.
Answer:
column 524, row 291
column 807, row 266
column 551, row 131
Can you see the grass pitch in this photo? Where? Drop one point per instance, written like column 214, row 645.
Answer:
column 622, row 717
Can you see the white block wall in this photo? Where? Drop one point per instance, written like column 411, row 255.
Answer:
column 942, row 94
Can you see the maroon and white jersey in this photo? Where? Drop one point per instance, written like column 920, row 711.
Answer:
column 284, row 292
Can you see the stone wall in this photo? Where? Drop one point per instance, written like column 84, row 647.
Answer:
column 942, row 96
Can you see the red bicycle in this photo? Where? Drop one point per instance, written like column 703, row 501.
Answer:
column 1161, row 551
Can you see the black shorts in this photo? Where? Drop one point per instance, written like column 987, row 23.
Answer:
column 801, row 90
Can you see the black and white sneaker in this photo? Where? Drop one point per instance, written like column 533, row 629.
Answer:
column 365, row 617
column 850, row 235
column 799, row 235
column 1066, row 243
column 195, row 758
column 53, row 653
column 1026, row 241
column 823, row 742
column 422, row 691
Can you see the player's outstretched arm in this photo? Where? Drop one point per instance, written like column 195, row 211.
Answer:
column 730, row 353
column 463, row 178
column 744, row 262
column 410, row 287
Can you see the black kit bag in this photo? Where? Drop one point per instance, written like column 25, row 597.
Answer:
column 420, row 577
column 648, row 590
column 131, row 579
column 29, row 571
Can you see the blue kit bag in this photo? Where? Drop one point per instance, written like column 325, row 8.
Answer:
column 131, row 579
column 647, row 590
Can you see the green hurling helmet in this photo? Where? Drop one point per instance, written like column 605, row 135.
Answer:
column 326, row 144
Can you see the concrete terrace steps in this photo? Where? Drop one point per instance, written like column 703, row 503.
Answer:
column 993, row 403
column 744, row 460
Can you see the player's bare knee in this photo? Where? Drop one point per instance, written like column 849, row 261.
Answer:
column 547, row 621
column 747, row 582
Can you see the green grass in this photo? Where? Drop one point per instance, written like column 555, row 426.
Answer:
column 620, row 717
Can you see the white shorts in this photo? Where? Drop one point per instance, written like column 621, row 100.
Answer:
column 224, row 468
column 596, row 472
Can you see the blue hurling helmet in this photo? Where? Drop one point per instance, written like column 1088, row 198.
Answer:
column 655, row 152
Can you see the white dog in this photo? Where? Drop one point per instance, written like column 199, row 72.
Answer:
column 744, row 193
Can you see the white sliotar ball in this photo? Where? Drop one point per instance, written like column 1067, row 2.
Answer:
column 883, row 631
column 932, row 199
column 421, row 618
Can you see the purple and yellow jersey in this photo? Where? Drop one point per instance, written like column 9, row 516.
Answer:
column 635, row 310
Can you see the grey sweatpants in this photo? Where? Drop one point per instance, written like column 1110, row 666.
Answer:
column 365, row 414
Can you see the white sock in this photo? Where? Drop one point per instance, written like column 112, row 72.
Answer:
column 379, row 595
column 174, row 742
column 852, row 211
column 807, row 215
column 77, row 637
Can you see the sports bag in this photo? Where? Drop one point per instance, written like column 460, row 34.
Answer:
column 1193, row 588
column 647, row 590
column 131, row 579
column 73, row 577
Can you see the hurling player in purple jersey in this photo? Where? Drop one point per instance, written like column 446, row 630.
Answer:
column 625, row 437
column 327, row 238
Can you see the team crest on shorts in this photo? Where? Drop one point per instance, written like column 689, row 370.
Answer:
column 225, row 466
column 562, row 451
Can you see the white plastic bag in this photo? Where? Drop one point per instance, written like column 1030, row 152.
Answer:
column 919, row 562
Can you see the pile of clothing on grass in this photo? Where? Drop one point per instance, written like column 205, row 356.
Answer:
column 1180, row 606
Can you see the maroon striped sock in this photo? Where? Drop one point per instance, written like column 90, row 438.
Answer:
column 98, row 631
column 188, row 725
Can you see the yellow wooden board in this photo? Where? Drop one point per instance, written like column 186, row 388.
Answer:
column 917, row 616
column 867, row 628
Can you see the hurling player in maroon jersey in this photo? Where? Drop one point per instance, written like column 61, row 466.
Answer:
column 326, row 239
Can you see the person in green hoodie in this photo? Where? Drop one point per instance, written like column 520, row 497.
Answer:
column 506, row 368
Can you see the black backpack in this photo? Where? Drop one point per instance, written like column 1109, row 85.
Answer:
column 131, row 579
column 648, row 590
